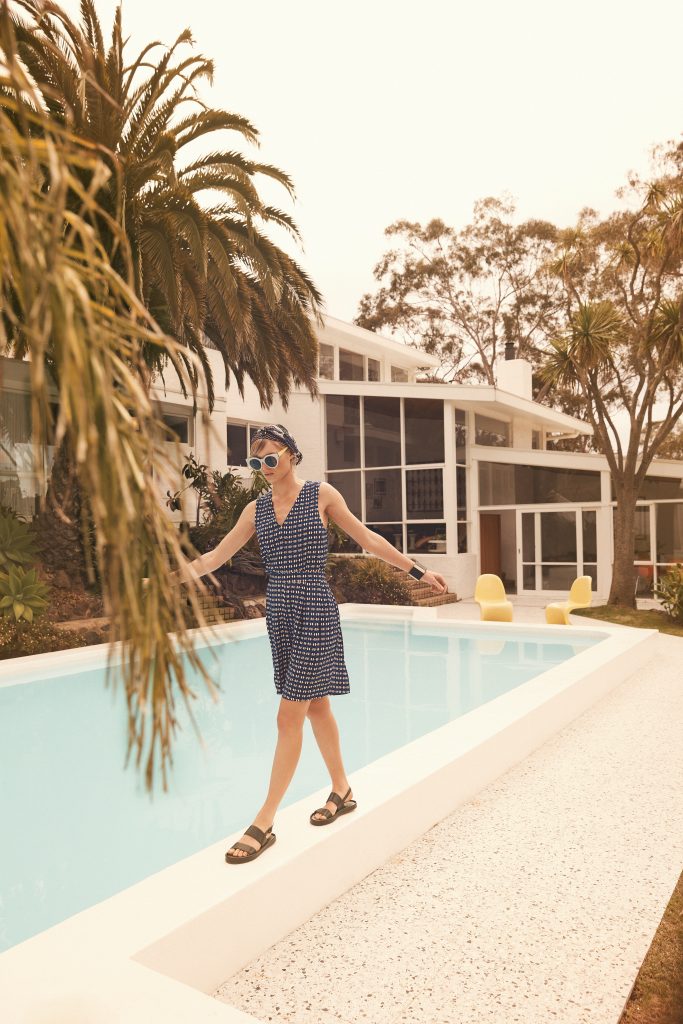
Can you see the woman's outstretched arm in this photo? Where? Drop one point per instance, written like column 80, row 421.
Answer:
column 336, row 508
column 243, row 529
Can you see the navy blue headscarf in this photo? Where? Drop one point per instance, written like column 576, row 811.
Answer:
column 277, row 432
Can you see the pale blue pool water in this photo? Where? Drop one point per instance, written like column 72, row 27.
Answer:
column 76, row 827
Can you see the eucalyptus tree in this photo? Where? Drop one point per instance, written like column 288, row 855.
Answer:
column 464, row 294
column 81, row 323
column 622, row 348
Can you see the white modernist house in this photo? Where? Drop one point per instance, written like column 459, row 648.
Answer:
column 459, row 476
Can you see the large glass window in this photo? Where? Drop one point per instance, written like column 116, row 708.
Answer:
column 237, row 444
column 491, row 432
column 670, row 532
column 343, row 431
column 326, row 361
column 555, row 564
column 393, row 532
column 372, row 477
column 18, row 477
column 424, row 494
column 461, row 478
column 350, row 365
column 180, row 424
column 383, row 495
column 558, row 536
column 426, row 538
column 658, row 488
column 399, row 375
column 373, row 369
column 424, row 430
column 497, row 484
column 348, row 485
column 557, row 547
column 642, row 551
column 461, row 492
column 535, row 485
column 460, row 437
column 590, row 545
column 382, row 431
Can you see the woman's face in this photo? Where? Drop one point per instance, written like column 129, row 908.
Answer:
column 268, row 447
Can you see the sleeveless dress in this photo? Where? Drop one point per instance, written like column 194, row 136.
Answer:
column 302, row 617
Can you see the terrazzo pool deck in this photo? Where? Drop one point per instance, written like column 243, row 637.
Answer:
column 533, row 902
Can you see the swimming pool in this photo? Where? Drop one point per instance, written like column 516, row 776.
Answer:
column 78, row 828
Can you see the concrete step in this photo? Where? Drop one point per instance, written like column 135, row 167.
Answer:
column 422, row 593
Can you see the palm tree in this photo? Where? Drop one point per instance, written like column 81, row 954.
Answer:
column 62, row 302
column 195, row 227
column 203, row 266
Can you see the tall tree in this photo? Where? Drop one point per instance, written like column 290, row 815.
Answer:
column 622, row 348
column 194, row 226
column 62, row 301
column 464, row 294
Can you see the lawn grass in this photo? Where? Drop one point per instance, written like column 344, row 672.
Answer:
column 645, row 619
column 657, row 995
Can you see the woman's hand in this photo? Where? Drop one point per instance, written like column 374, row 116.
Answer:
column 436, row 581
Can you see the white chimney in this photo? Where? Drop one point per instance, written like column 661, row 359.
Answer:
column 513, row 375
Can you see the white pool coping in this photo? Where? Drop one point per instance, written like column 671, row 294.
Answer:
column 156, row 951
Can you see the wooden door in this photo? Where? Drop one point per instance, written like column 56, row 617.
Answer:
column 489, row 539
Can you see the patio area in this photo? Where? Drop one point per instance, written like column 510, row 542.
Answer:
column 535, row 901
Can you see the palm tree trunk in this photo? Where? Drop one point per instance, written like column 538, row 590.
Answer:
column 58, row 526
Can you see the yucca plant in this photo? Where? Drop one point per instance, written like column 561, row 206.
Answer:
column 22, row 594
column 17, row 543
column 670, row 592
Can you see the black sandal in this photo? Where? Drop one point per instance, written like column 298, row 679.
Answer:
column 266, row 839
column 343, row 805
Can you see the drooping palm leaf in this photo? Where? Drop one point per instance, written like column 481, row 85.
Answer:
column 63, row 304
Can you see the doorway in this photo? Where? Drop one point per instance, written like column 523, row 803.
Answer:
column 498, row 546
column 554, row 546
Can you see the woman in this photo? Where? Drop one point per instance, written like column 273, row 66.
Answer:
column 302, row 618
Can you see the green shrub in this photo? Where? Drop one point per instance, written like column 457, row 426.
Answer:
column 669, row 591
column 366, row 580
column 22, row 638
column 17, row 542
column 22, row 595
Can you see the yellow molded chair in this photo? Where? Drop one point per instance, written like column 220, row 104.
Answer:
column 557, row 614
column 489, row 594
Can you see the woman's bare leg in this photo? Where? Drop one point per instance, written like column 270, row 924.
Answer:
column 326, row 733
column 290, row 727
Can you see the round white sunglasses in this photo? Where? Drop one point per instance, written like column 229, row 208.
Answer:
column 270, row 460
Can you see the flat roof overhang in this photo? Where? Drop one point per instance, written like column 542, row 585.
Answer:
column 358, row 339
column 481, row 398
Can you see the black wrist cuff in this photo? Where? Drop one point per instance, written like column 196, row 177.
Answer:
column 417, row 571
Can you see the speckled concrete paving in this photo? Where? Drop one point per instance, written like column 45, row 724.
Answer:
column 534, row 902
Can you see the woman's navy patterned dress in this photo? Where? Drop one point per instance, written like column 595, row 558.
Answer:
column 302, row 616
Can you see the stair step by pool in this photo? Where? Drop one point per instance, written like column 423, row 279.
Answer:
column 422, row 593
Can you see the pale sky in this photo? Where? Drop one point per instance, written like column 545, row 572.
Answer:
column 388, row 110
